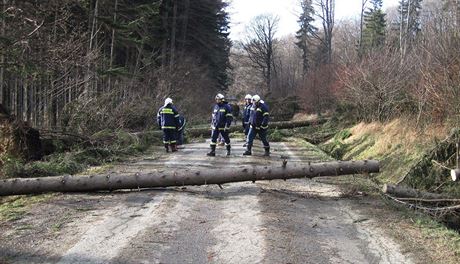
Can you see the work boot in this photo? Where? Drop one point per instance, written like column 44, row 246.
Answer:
column 173, row 148
column 267, row 152
column 167, row 148
column 228, row 150
column 248, row 151
column 212, row 153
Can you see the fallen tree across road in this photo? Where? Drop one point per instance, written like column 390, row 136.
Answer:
column 184, row 177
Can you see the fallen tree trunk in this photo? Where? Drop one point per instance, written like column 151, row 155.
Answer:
column 406, row 192
column 183, row 177
column 196, row 132
column 206, row 131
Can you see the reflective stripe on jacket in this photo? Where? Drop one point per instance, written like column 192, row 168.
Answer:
column 168, row 117
column 221, row 116
column 259, row 116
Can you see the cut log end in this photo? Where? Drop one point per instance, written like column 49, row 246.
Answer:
column 455, row 174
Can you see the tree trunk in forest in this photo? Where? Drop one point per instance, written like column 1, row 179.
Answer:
column 186, row 12
column 184, row 177
column 173, row 35
column 2, row 57
column 406, row 192
column 164, row 48
column 112, row 45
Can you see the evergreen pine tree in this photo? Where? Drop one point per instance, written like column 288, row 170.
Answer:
column 306, row 32
column 374, row 26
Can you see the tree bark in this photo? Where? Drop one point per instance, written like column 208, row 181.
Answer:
column 173, row 35
column 112, row 45
column 406, row 192
column 195, row 132
column 2, row 56
column 183, row 177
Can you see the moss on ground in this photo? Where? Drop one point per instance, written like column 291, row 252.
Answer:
column 15, row 207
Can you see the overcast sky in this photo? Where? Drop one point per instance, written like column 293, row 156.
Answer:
column 242, row 11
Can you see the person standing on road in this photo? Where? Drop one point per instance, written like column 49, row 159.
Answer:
column 258, row 122
column 246, row 115
column 168, row 120
column 181, row 130
column 221, row 120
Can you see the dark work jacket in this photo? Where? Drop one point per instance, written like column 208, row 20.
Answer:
column 259, row 116
column 168, row 117
column 246, row 114
column 221, row 116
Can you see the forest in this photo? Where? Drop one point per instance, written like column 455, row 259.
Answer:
column 91, row 65
column 85, row 65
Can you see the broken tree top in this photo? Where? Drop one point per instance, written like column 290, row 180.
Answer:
column 184, row 177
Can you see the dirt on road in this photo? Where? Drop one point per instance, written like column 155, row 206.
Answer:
column 296, row 221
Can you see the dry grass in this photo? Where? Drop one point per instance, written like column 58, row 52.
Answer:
column 399, row 132
column 398, row 144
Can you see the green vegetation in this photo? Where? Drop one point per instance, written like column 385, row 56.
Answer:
column 14, row 208
column 108, row 147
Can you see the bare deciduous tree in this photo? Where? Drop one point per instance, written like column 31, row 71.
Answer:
column 260, row 45
column 327, row 15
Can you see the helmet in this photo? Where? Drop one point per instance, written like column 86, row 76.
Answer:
column 256, row 98
column 168, row 101
column 248, row 97
column 220, row 97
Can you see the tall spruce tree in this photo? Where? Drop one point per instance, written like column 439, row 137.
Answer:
column 374, row 26
column 306, row 33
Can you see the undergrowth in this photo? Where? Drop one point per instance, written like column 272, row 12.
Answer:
column 106, row 147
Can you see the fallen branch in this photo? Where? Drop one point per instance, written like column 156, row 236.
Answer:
column 406, row 192
column 429, row 200
column 424, row 208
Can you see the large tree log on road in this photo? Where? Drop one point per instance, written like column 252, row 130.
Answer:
column 184, row 177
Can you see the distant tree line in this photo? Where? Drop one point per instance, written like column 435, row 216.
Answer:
column 404, row 61
column 95, row 64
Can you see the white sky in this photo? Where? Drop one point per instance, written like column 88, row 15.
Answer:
column 242, row 11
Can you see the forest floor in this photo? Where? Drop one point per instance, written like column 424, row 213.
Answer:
column 295, row 221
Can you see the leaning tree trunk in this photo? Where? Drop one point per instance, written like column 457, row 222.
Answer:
column 183, row 177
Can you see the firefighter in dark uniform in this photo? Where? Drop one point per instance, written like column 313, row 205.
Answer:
column 168, row 120
column 246, row 115
column 221, row 120
column 258, row 122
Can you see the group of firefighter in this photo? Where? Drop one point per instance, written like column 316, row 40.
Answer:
column 255, row 122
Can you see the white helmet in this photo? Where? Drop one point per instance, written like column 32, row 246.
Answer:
column 220, row 97
column 248, row 97
column 256, row 98
column 168, row 101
